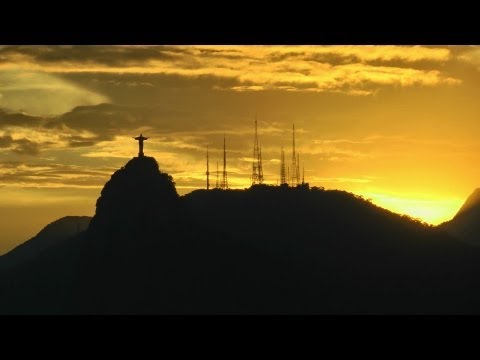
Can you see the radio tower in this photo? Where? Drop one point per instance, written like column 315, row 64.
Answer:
column 283, row 179
column 224, row 184
column 216, row 185
column 257, row 170
column 294, row 175
column 208, row 172
column 260, row 166
column 303, row 175
column 298, row 168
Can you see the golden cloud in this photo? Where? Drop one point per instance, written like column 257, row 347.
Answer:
column 347, row 69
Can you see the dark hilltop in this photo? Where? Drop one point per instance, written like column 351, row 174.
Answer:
column 311, row 251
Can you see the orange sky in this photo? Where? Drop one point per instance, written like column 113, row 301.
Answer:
column 397, row 124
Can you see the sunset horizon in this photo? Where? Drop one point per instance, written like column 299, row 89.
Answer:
column 394, row 124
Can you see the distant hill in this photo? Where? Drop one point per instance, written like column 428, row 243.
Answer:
column 50, row 235
column 264, row 250
column 347, row 254
column 466, row 223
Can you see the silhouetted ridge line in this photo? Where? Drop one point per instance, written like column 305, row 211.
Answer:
column 465, row 225
column 55, row 232
column 472, row 202
column 149, row 251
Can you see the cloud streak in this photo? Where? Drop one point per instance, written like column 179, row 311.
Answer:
column 20, row 146
column 52, row 175
column 353, row 70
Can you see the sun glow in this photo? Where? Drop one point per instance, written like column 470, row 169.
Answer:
column 433, row 210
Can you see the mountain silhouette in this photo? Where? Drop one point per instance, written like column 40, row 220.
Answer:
column 465, row 225
column 135, row 213
column 136, row 197
column 472, row 202
column 264, row 250
column 55, row 232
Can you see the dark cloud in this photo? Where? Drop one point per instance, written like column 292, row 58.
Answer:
column 327, row 58
column 18, row 119
column 170, row 114
column 104, row 55
column 83, row 141
column 104, row 118
column 20, row 146
column 10, row 164
column 118, row 56
column 337, row 58
column 135, row 88
column 5, row 142
column 296, row 85
column 187, row 56
column 230, row 54
column 43, row 173
column 424, row 64
column 281, row 56
column 105, row 121
column 26, row 147
column 333, row 58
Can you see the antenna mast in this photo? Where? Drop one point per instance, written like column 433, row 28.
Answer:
column 298, row 168
column 283, row 179
column 294, row 175
column 208, row 172
column 224, row 185
column 257, row 169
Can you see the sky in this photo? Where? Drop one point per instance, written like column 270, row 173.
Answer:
column 396, row 124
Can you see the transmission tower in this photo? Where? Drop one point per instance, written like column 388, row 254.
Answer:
column 294, row 175
column 224, row 184
column 298, row 168
column 283, row 179
column 257, row 169
column 208, row 172
column 260, row 166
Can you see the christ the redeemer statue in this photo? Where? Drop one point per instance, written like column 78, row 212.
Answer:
column 140, row 140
